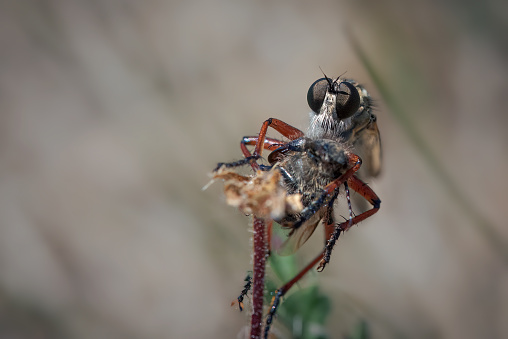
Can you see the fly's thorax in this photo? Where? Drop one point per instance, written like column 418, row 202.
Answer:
column 354, row 126
column 351, row 128
column 361, row 134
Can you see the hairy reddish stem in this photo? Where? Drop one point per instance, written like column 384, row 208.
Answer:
column 258, row 286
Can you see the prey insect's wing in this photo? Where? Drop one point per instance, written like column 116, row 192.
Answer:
column 299, row 236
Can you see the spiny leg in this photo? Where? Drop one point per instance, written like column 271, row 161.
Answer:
column 365, row 191
column 331, row 232
column 243, row 294
column 238, row 163
column 270, row 143
column 357, row 185
column 334, row 235
column 262, row 142
column 348, row 198
column 329, row 222
column 290, row 132
column 283, row 290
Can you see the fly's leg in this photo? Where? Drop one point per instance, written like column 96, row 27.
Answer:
column 365, row 191
column 249, row 158
column 262, row 142
column 270, row 143
column 243, row 294
column 283, row 290
column 290, row 132
column 329, row 227
column 332, row 233
column 245, row 161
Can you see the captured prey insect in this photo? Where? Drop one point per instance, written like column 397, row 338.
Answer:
column 309, row 168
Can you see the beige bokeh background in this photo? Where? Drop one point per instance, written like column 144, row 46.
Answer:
column 112, row 113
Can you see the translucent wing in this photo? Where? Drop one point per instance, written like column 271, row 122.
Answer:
column 299, row 236
column 368, row 146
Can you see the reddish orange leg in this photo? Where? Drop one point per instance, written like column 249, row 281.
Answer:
column 246, row 289
column 365, row 191
column 332, row 232
column 283, row 290
column 329, row 228
column 290, row 132
column 369, row 195
column 270, row 143
column 262, row 142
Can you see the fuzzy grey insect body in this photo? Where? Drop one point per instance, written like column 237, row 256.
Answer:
column 311, row 165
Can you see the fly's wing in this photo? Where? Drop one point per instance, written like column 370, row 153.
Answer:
column 362, row 133
column 366, row 139
column 299, row 236
column 367, row 145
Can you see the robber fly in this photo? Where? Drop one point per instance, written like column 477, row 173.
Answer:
column 315, row 164
column 341, row 125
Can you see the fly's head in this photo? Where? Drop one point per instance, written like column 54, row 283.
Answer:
column 333, row 103
column 342, row 111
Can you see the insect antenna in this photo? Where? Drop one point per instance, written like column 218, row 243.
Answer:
column 339, row 77
column 330, row 82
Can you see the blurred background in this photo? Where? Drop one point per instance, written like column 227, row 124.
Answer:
column 113, row 113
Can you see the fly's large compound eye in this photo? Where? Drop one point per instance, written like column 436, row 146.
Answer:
column 348, row 101
column 316, row 94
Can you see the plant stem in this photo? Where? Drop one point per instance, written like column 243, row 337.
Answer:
column 258, row 286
